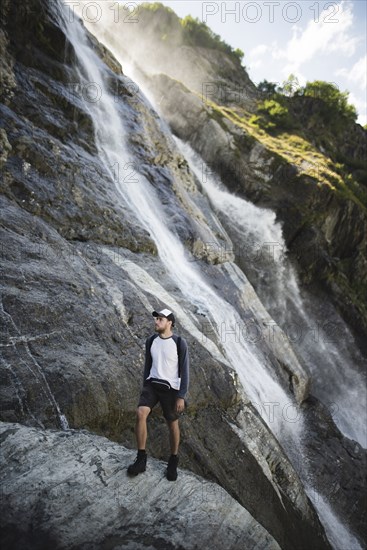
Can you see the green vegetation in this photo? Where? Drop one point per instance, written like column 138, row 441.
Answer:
column 156, row 6
column 239, row 53
column 290, row 86
column 298, row 150
column 307, row 126
column 330, row 103
column 320, row 114
column 268, row 88
column 334, row 104
column 272, row 116
column 197, row 33
column 189, row 30
column 161, row 20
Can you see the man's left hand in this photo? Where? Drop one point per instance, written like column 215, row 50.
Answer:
column 180, row 405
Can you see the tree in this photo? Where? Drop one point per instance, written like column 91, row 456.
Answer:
column 334, row 102
column 266, row 87
column 239, row 53
column 290, row 86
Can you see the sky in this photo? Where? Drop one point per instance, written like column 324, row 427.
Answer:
column 314, row 40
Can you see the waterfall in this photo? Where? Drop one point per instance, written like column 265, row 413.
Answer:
column 325, row 347
column 141, row 198
column 339, row 537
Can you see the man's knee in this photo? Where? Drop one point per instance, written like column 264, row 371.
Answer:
column 142, row 413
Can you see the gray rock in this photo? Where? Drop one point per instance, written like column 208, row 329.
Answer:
column 334, row 479
column 71, row 490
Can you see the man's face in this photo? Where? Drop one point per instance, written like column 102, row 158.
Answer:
column 161, row 324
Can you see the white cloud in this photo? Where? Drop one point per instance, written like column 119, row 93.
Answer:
column 261, row 49
column 360, row 104
column 323, row 37
column 254, row 58
column 357, row 74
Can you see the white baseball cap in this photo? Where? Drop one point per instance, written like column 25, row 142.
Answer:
column 165, row 313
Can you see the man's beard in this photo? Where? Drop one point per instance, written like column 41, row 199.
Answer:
column 159, row 330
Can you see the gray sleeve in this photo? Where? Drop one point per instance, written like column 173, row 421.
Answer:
column 184, row 367
column 148, row 360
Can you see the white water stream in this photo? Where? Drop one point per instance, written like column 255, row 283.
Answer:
column 336, row 380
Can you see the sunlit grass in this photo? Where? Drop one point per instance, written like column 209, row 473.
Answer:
column 296, row 150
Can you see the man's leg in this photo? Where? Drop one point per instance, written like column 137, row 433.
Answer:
column 142, row 414
column 174, row 436
column 140, row 463
column 168, row 401
column 174, row 439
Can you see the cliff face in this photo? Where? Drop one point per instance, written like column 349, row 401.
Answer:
column 156, row 39
column 208, row 99
column 81, row 276
column 324, row 229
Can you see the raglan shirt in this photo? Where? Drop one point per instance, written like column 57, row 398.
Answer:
column 162, row 361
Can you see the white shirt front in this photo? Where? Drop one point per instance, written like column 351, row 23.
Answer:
column 165, row 361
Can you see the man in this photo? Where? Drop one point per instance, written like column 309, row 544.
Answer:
column 166, row 379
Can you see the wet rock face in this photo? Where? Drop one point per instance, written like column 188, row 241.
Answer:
column 39, row 145
column 72, row 347
column 74, row 327
column 344, row 476
column 81, row 278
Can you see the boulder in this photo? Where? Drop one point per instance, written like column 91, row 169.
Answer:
column 70, row 489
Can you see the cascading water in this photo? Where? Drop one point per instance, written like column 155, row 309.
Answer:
column 335, row 379
column 143, row 202
column 258, row 225
column 141, row 198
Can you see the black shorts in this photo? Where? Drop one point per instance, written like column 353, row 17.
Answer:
column 149, row 397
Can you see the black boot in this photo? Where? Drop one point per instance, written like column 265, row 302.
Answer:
column 171, row 473
column 139, row 465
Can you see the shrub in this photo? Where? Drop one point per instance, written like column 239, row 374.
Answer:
column 197, row 33
column 272, row 115
column 268, row 88
column 334, row 106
